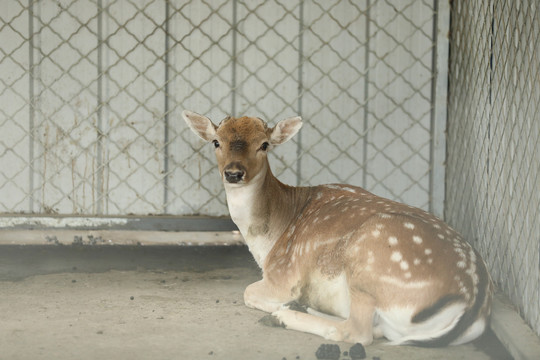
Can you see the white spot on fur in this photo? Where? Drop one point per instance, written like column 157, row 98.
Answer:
column 417, row 239
column 428, row 251
column 416, row 261
column 409, row 225
column 291, row 230
column 430, row 261
column 472, row 256
column 440, row 236
column 371, row 257
column 392, row 240
column 385, row 216
column 404, row 265
column 396, row 256
column 409, row 285
column 408, row 275
column 376, row 233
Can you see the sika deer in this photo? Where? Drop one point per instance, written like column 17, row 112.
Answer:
column 361, row 265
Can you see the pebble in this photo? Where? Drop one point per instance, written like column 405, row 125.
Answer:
column 357, row 351
column 328, row 352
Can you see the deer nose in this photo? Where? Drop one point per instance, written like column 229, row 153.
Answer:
column 234, row 173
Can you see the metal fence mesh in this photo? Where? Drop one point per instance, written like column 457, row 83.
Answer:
column 91, row 93
column 493, row 174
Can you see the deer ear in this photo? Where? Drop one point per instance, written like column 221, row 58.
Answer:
column 285, row 129
column 200, row 125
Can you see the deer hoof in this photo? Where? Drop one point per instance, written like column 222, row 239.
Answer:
column 271, row 320
column 295, row 306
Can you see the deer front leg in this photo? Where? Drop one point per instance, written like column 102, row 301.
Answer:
column 263, row 296
column 357, row 328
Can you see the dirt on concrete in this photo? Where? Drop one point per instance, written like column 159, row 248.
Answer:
column 101, row 302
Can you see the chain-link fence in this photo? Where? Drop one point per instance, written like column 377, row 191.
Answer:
column 91, row 93
column 493, row 173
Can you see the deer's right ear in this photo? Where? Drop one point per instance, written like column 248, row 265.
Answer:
column 200, row 125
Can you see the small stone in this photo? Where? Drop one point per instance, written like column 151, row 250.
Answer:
column 328, row 352
column 211, row 353
column 131, row 298
column 357, row 351
column 73, row 281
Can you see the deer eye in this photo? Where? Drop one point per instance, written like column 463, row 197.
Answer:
column 264, row 146
column 216, row 143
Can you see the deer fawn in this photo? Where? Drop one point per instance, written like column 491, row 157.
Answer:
column 340, row 262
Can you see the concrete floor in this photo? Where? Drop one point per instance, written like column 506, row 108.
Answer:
column 157, row 302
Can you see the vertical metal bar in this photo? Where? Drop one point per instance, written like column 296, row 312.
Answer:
column 31, row 115
column 300, row 91
column 366, row 96
column 439, row 92
column 234, row 60
column 99, row 112
column 166, row 115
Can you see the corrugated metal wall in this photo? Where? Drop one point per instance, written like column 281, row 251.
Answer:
column 91, row 93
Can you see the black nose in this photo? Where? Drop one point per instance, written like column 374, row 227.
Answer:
column 234, row 176
column 234, row 173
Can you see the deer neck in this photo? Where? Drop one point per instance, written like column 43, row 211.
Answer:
column 262, row 210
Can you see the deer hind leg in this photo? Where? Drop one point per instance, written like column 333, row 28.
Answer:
column 357, row 328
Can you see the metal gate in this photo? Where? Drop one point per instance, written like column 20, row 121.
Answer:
column 493, row 174
column 91, row 93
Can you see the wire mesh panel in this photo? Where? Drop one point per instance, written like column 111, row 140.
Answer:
column 91, row 93
column 493, row 188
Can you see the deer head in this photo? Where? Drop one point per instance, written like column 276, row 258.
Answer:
column 242, row 146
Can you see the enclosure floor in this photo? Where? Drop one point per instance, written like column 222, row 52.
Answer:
column 101, row 302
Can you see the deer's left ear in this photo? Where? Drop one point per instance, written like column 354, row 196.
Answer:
column 285, row 130
column 200, row 125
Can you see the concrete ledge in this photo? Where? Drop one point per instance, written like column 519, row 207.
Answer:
column 516, row 336
column 145, row 223
column 118, row 237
